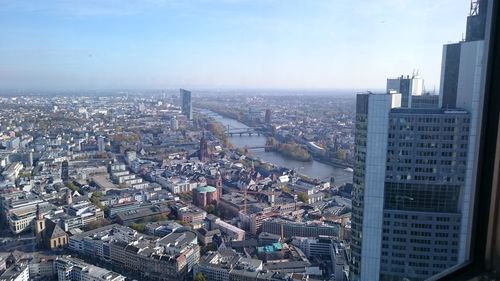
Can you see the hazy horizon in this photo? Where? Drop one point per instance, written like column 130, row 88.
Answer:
column 195, row 92
column 223, row 44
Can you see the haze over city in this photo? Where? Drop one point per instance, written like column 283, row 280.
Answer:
column 88, row 45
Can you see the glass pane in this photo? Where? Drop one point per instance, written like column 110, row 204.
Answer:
column 238, row 139
column 414, row 173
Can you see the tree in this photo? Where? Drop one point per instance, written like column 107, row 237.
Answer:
column 294, row 151
column 341, row 154
column 302, row 196
column 139, row 227
column 97, row 224
column 159, row 217
column 200, row 277
column 271, row 141
column 72, row 186
column 285, row 188
column 212, row 209
column 96, row 200
column 183, row 223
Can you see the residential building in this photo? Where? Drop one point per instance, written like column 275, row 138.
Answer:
column 18, row 272
column 286, row 228
column 69, row 269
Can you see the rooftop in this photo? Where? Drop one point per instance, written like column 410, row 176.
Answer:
column 206, row 189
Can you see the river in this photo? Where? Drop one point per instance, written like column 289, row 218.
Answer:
column 312, row 168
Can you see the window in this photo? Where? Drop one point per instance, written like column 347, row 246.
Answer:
column 375, row 122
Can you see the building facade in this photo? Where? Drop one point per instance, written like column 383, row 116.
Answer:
column 186, row 106
column 414, row 178
column 205, row 195
column 408, row 86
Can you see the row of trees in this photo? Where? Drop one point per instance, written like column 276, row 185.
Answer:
column 295, row 151
column 291, row 150
column 140, row 224
column 218, row 130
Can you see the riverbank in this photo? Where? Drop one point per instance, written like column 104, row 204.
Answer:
column 230, row 115
column 313, row 169
column 332, row 163
column 293, row 151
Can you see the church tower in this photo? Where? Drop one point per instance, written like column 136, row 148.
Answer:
column 39, row 225
column 69, row 197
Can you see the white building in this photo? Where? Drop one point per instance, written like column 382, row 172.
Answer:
column 322, row 246
column 69, row 269
column 18, row 272
column 407, row 86
column 372, row 127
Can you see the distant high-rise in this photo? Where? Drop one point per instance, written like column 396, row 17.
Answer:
column 101, row 146
column 267, row 117
column 407, row 87
column 186, row 105
column 65, row 170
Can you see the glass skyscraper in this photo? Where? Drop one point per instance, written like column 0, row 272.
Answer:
column 414, row 170
column 186, row 106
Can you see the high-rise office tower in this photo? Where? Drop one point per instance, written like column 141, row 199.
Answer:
column 412, row 92
column 414, row 171
column 101, row 145
column 267, row 117
column 462, row 75
column 371, row 137
column 407, row 87
column 65, row 170
column 186, row 106
column 408, row 186
column 424, row 179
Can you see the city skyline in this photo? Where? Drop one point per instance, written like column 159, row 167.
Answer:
column 83, row 45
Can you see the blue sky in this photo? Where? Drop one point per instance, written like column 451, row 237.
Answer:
column 276, row 44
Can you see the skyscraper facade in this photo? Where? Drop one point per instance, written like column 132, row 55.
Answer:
column 371, row 138
column 186, row 106
column 424, row 180
column 414, row 169
column 267, row 117
column 409, row 180
column 463, row 63
column 101, row 146
column 65, row 171
column 407, row 86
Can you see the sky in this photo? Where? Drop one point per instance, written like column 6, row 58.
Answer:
column 223, row 44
